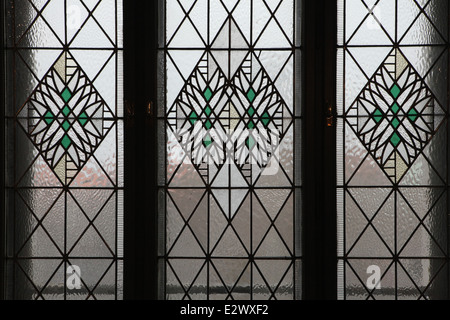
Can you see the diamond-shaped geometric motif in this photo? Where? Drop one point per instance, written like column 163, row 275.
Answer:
column 395, row 116
column 65, row 118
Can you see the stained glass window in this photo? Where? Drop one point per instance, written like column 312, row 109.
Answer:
column 392, row 149
column 230, row 148
column 64, row 157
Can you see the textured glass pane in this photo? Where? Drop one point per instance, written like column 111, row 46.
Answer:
column 65, row 149
column 392, row 147
column 231, row 148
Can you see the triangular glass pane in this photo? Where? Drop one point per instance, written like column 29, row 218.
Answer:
column 199, row 223
column 370, row 174
column 355, row 222
column 261, row 222
column 273, row 271
column 370, row 245
column 272, row 36
column 106, row 223
column 54, row 15
column 54, row 223
column 91, row 36
column 370, row 60
column 384, row 222
column 40, row 271
column 91, row 245
column 186, row 246
column 186, row 200
column 230, row 270
column 40, row 201
column 260, row 289
column 369, row 33
column 54, row 289
column 103, row 84
column 406, row 290
column 408, row 11
column 105, row 15
column 186, row 37
column 435, row 222
column 46, row 59
column 91, row 201
column 229, row 245
column 174, row 223
column 407, row 221
column 240, row 15
column 91, row 64
column 186, row 176
column 273, row 200
column 285, row 16
column 217, row 290
column 187, row 270
column 434, row 11
column 222, row 197
column 39, row 245
column 174, row 290
column 186, row 61
column 262, row 15
column 421, row 245
column 199, row 287
column 273, row 246
column 421, row 199
column 422, row 33
column 286, row 287
column 370, row 199
column 242, row 288
column 437, row 290
column 284, row 223
column 105, row 288
column 217, row 17
column 91, row 175
column 241, row 222
column 415, row 56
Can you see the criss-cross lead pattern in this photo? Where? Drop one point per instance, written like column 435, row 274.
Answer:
column 392, row 149
column 66, row 149
column 230, row 192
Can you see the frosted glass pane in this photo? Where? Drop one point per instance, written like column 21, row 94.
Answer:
column 65, row 158
column 231, row 146
column 392, row 144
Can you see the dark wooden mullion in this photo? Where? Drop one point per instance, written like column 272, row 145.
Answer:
column 2, row 154
column 320, row 244
column 141, row 193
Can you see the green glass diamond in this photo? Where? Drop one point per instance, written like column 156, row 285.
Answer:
column 208, row 94
column 208, row 111
column 66, row 95
column 83, row 119
column 378, row 116
column 66, row 125
column 251, row 125
column 251, row 111
column 251, row 95
column 193, row 117
column 66, row 111
column 208, row 125
column 49, row 117
column 395, row 140
column 395, row 91
column 395, row 123
column 395, row 108
column 265, row 119
column 250, row 142
column 413, row 115
column 66, row 142
column 207, row 141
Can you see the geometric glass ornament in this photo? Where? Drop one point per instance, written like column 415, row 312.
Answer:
column 66, row 118
column 395, row 116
